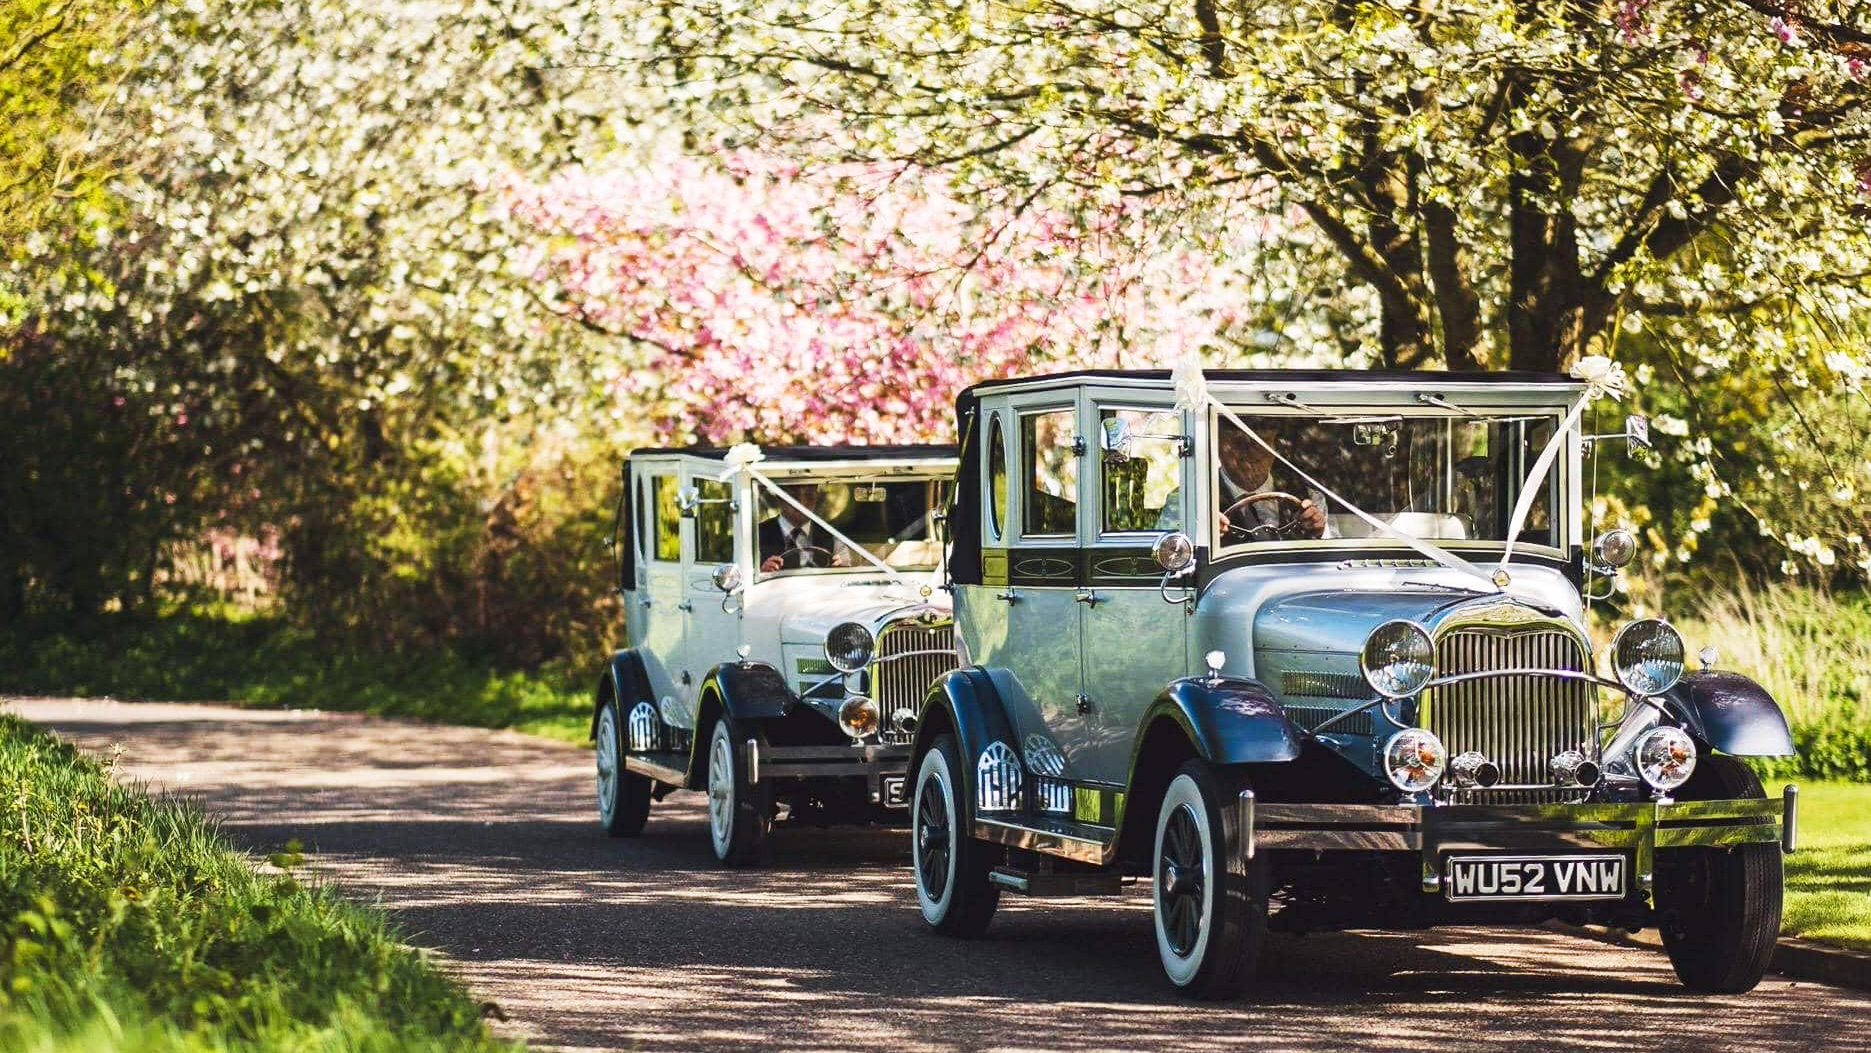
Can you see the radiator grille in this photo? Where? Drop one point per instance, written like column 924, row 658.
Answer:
column 1519, row 722
column 902, row 683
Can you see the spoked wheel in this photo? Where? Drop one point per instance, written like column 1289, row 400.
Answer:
column 623, row 795
column 952, row 886
column 737, row 813
column 1210, row 904
column 1720, row 907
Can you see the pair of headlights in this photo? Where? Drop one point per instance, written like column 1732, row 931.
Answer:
column 1415, row 760
column 1398, row 659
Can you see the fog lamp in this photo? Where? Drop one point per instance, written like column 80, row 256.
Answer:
column 858, row 716
column 1414, row 760
column 1571, row 768
column 1474, row 769
column 1665, row 757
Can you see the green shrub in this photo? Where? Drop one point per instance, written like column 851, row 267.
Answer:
column 127, row 923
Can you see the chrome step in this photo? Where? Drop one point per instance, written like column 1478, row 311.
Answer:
column 1028, row 883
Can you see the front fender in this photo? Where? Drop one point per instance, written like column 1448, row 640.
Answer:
column 1230, row 720
column 965, row 702
column 628, row 681
column 1731, row 713
column 748, row 690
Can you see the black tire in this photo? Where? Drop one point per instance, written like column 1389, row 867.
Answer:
column 951, row 867
column 1719, row 908
column 738, row 815
column 1209, row 903
column 623, row 796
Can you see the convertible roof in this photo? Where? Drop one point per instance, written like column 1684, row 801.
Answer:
column 810, row 454
column 1301, row 376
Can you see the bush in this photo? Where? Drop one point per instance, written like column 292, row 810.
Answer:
column 127, row 923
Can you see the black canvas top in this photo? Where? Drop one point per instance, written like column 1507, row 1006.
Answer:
column 900, row 451
column 1303, row 376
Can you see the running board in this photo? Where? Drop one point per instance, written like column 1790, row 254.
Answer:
column 662, row 773
column 1081, row 842
column 1051, row 885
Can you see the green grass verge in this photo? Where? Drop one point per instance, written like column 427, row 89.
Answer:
column 215, row 656
column 1829, row 877
column 128, row 924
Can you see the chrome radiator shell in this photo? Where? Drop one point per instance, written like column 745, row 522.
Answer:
column 911, row 654
column 1520, row 722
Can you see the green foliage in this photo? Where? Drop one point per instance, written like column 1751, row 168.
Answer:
column 217, row 654
column 127, row 923
column 1829, row 877
column 1812, row 651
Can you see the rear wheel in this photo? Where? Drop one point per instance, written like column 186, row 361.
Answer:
column 952, row 885
column 623, row 795
column 738, row 817
column 1719, row 908
column 1210, row 903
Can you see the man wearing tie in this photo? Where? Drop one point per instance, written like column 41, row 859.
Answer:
column 1247, row 469
column 790, row 541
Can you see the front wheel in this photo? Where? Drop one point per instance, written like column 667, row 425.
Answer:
column 737, row 812
column 952, row 885
column 623, row 795
column 1210, row 903
column 1720, row 907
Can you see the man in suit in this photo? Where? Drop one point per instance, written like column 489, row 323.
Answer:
column 790, row 541
column 1246, row 469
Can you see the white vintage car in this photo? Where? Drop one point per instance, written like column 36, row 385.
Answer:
column 786, row 620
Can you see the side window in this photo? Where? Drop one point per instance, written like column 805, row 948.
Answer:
column 1142, row 483
column 667, row 516
column 714, row 522
column 997, row 477
column 1051, row 467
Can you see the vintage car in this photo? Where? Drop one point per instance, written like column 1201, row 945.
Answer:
column 1308, row 691
column 772, row 662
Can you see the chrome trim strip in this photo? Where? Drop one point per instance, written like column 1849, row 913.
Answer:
column 661, row 773
column 1051, row 842
column 1244, row 817
column 1562, row 674
column 753, row 762
column 1789, row 818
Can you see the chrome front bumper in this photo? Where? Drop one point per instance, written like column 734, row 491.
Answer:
column 1433, row 831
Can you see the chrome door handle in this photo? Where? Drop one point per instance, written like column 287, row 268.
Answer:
column 1088, row 596
column 685, row 605
column 1010, row 596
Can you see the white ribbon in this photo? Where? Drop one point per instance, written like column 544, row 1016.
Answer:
column 742, row 458
column 1602, row 377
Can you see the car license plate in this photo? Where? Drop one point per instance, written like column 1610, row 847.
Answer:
column 892, row 791
column 1535, row 877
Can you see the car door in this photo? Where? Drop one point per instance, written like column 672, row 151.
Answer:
column 1133, row 642
column 660, row 612
column 1043, row 642
column 711, row 633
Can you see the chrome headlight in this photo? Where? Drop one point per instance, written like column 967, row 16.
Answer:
column 1665, row 757
column 848, row 646
column 1414, row 759
column 1647, row 655
column 858, row 716
column 1397, row 659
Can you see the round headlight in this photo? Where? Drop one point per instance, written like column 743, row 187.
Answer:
column 858, row 716
column 1647, row 655
column 848, row 646
column 1397, row 659
column 1665, row 757
column 1414, row 759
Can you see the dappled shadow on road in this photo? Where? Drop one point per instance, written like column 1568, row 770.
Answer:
column 485, row 847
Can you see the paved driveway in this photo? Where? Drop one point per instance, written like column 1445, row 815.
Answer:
column 485, row 845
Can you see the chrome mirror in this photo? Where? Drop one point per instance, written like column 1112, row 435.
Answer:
column 1613, row 549
column 1114, row 439
column 1637, row 430
column 1174, row 552
column 686, row 500
column 727, row 577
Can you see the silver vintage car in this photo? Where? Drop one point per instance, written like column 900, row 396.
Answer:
column 786, row 620
column 1270, row 650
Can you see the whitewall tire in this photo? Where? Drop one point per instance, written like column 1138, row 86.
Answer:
column 950, row 866
column 1209, row 904
column 623, row 795
column 737, row 813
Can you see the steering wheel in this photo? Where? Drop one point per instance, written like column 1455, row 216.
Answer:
column 1286, row 529
column 786, row 554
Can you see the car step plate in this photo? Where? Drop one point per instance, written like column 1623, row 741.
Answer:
column 1482, row 878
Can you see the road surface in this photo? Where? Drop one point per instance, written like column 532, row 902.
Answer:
column 486, row 847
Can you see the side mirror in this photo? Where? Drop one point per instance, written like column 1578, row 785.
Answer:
column 1174, row 552
column 1114, row 439
column 686, row 500
column 1637, row 430
column 1613, row 549
column 727, row 577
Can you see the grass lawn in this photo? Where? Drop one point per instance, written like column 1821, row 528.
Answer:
column 127, row 925
column 220, row 656
column 1829, row 876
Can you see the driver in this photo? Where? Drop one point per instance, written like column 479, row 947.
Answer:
column 790, row 540
column 1247, row 469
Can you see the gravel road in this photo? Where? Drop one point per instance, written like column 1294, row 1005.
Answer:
column 485, row 845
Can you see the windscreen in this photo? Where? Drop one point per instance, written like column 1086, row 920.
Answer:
column 1438, row 478
column 892, row 520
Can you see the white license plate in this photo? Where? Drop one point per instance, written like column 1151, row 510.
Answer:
column 892, row 791
column 1534, row 877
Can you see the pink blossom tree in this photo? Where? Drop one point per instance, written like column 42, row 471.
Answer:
column 849, row 304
